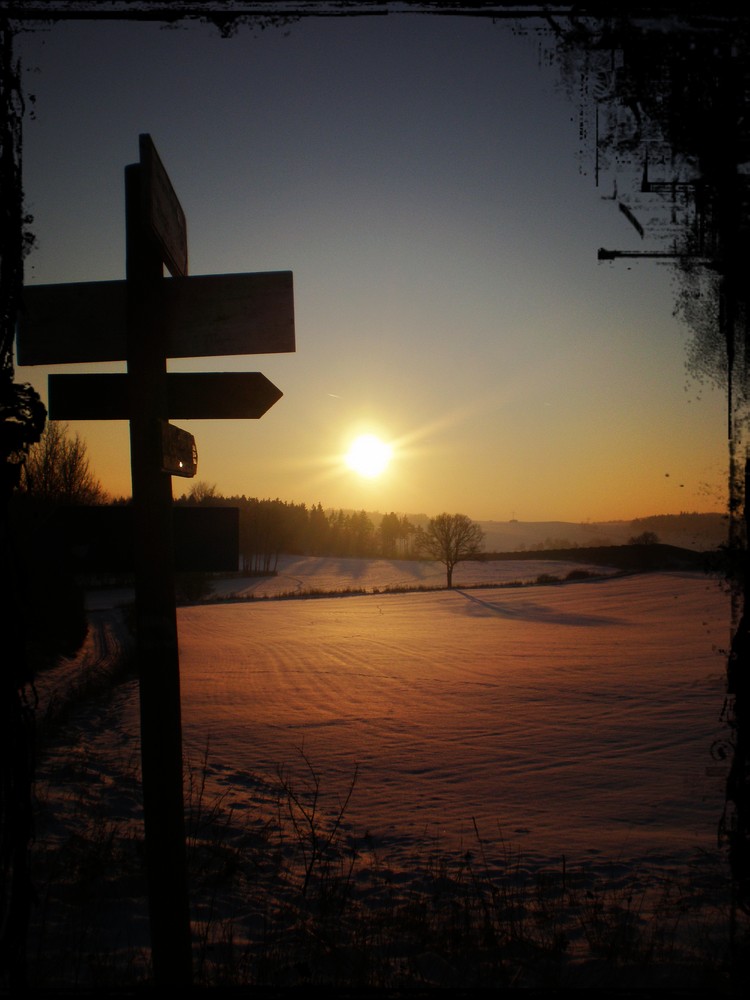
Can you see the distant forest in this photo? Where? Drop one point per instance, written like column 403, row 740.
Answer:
column 269, row 528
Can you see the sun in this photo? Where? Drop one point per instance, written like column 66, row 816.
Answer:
column 368, row 455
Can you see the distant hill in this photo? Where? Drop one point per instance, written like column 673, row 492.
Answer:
column 626, row 557
column 701, row 532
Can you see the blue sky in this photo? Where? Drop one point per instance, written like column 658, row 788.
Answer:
column 421, row 177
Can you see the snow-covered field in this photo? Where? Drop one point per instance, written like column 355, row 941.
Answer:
column 571, row 721
column 299, row 574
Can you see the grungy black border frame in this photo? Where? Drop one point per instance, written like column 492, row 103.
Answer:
column 231, row 16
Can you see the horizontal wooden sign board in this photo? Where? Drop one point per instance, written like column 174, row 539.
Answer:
column 100, row 539
column 208, row 315
column 162, row 212
column 190, row 396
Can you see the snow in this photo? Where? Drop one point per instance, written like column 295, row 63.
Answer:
column 536, row 729
column 568, row 719
column 301, row 574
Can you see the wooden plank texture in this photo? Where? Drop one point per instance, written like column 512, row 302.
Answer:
column 72, row 323
column 212, row 315
column 162, row 212
column 191, row 396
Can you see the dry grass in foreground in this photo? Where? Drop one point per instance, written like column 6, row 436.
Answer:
column 293, row 896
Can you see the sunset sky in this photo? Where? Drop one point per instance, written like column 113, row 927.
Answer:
column 420, row 177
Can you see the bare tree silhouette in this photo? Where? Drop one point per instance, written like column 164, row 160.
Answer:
column 451, row 539
column 57, row 469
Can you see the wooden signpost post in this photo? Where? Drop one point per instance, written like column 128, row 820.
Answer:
column 176, row 317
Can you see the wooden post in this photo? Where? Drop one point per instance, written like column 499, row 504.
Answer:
column 156, row 622
column 178, row 317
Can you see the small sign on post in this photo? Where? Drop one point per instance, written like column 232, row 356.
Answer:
column 179, row 455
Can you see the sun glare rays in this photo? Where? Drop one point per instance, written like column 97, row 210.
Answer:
column 371, row 459
column 368, row 456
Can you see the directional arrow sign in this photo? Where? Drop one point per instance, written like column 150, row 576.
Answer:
column 190, row 396
column 206, row 315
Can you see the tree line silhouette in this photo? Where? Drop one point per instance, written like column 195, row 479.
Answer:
column 269, row 528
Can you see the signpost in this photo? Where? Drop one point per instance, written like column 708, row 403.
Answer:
column 144, row 320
